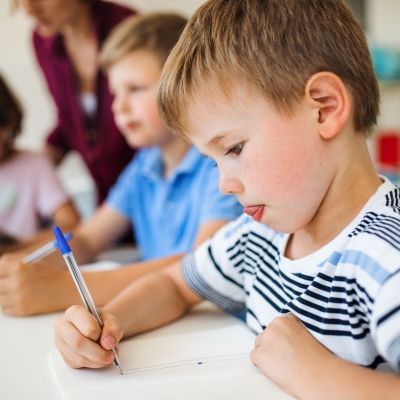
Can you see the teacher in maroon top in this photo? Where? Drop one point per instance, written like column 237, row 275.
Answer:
column 67, row 39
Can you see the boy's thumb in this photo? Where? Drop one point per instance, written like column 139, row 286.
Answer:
column 111, row 333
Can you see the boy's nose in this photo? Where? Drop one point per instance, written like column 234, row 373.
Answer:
column 118, row 105
column 229, row 185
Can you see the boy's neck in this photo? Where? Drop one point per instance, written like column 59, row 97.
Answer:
column 172, row 153
column 353, row 185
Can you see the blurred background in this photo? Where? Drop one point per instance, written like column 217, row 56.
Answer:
column 379, row 18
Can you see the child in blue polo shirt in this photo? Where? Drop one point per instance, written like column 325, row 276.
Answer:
column 168, row 193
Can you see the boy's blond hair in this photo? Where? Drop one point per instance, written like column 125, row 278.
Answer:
column 157, row 32
column 272, row 46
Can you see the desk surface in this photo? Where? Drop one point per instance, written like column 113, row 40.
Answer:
column 25, row 369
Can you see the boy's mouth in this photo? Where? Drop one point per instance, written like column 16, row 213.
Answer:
column 254, row 211
column 131, row 125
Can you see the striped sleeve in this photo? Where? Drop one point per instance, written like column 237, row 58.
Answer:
column 385, row 321
column 211, row 273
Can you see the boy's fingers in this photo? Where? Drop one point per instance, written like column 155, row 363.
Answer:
column 85, row 322
column 82, row 351
column 7, row 264
column 253, row 356
column 74, row 359
column 111, row 333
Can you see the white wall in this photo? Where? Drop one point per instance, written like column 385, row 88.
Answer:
column 383, row 24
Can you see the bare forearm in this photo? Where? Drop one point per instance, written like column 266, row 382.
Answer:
column 82, row 252
column 105, row 285
column 150, row 302
column 339, row 379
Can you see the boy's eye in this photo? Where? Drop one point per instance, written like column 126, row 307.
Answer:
column 235, row 149
column 134, row 89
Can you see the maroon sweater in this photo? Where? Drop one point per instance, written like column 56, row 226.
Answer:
column 99, row 142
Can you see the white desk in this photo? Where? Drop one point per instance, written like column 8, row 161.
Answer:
column 25, row 369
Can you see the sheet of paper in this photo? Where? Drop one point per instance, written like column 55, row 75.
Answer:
column 103, row 265
column 234, row 378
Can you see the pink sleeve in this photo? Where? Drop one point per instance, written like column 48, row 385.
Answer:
column 50, row 195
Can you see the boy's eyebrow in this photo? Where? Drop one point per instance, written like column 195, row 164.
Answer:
column 217, row 138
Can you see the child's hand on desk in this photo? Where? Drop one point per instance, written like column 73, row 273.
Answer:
column 28, row 289
column 77, row 334
column 289, row 355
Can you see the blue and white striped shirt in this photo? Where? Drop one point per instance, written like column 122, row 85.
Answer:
column 347, row 293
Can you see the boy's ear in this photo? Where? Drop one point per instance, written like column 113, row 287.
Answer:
column 326, row 92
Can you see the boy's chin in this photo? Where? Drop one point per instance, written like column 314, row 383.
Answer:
column 279, row 224
column 136, row 142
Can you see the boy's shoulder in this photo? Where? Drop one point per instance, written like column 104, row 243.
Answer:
column 375, row 241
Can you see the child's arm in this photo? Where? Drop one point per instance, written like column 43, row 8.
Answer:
column 66, row 217
column 149, row 302
column 289, row 355
column 29, row 289
column 42, row 287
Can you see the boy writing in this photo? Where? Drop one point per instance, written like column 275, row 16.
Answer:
column 281, row 94
column 169, row 192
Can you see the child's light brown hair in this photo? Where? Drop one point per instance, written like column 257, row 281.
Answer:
column 157, row 32
column 10, row 114
column 272, row 46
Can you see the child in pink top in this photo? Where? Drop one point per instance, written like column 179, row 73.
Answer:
column 29, row 190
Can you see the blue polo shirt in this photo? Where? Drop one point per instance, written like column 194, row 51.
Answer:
column 166, row 214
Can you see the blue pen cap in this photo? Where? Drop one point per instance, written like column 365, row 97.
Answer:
column 62, row 243
column 67, row 236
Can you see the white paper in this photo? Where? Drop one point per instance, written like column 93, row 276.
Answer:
column 235, row 378
column 103, row 265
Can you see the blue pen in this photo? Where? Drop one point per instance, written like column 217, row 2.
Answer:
column 80, row 283
column 44, row 250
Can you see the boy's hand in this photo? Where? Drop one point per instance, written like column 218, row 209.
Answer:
column 77, row 332
column 288, row 354
column 27, row 289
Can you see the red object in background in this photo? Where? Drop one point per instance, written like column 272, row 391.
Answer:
column 388, row 149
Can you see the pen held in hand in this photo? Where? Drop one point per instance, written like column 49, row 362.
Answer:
column 80, row 284
column 44, row 250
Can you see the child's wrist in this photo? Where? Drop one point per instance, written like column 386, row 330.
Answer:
column 315, row 379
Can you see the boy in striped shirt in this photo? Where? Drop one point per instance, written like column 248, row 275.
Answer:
column 282, row 95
